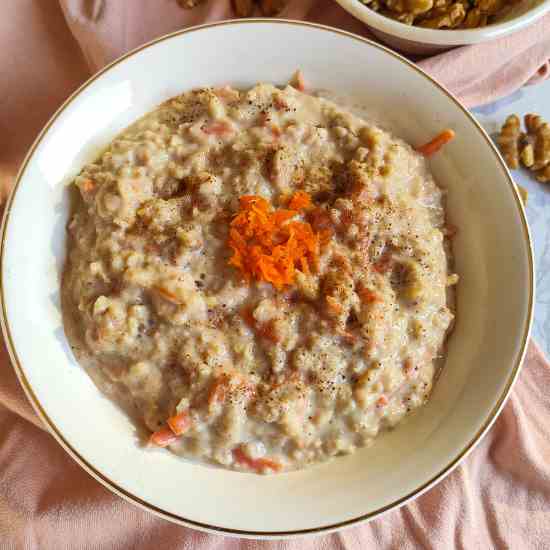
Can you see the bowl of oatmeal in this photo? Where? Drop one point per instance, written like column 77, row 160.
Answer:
column 265, row 292
column 425, row 27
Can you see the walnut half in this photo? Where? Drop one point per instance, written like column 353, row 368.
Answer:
column 508, row 141
column 532, row 148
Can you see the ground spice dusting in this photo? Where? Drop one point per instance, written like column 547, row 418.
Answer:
column 267, row 245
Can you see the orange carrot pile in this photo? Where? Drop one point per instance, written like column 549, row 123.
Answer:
column 268, row 246
column 299, row 201
column 436, row 143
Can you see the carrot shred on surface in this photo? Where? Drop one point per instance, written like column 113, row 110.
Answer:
column 248, row 318
column 367, row 296
column 267, row 245
column 348, row 337
column 384, row 263
column 217, row 128
column 88, row 186
column 436, row 143
column 217, row 391
column 179, row 423
column 382, row 401
column 167, row 295
column 276, row 131
column 256, row 464
column 163, row 437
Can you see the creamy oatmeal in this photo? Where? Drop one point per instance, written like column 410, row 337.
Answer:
column 261, row 276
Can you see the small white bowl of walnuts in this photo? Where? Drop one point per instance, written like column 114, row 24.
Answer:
column 428, row 26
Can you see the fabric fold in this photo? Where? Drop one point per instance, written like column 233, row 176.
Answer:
column 499, row 497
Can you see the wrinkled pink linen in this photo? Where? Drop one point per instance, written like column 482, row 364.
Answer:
column 499, row 497
column 478, row 74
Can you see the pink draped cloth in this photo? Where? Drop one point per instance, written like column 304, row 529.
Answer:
column 499, row 497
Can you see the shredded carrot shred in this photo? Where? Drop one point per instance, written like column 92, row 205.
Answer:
column 367, row 296
column 436, row 143
column 179, row 423
column 175, row 426
column 299, row 201
column 88, row 186
column 217, row 128
column 167, row 295
column 256, row 464
column 163, row 437
column 217, row 391
column 384, row 263
column 248, row 318
column 267, row 245
column 276, row 131
column 382, row 401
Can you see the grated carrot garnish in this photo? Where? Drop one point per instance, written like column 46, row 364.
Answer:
column 299, row 201
column 267, row 245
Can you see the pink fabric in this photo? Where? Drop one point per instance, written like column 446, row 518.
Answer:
column 478, row 74
column 498, row 497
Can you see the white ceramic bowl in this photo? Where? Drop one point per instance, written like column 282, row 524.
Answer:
column 420, row 41
column 493, row 257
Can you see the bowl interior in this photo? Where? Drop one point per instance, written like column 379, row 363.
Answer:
column 492, row 256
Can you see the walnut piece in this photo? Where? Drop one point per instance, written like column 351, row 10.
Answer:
column 450, row 19
column 490, row 7
column 508, row 141
column 474, row 19
column 542, row 147
column 442, row 14
column 532, row 122
column 527, row 155
column 409, row 7
column 532, row 148
column 397, row 6
column 405, row 18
